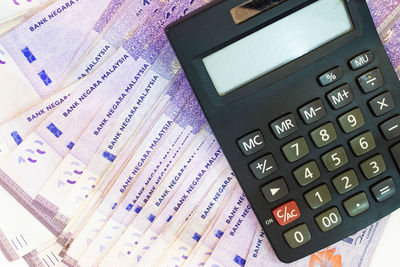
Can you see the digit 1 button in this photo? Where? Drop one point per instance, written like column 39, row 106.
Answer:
column 313, row 111
column 345, row 182
column 263, row 166
column 296, row 149
column 373, row 167
column 356, row 205
column 384, row 189
column 330, row 76
column 275, row 190
column 307, row 173
column 391, row 128
column 324, row 135
column 329, row 219
column 318, row 196
column 251, row 143
column 361, row 60
column 335, row 159
column 371, row 80
column 297, row 236
column 382, row 104
column 352, row 120
column 363, row 143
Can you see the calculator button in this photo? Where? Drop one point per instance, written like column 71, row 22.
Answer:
column 297, row 236
column 384, row 190
column 340, row 97
column 352, row 120
column 395, row 150
column 251, row 143
column 318, row 196
column 296, row 149
column 371, row 80
column 275, row 190
column 263, row 167
column 373, row 167
column 361, row 60
column 382, row 104
column 335, row 159
column 307, row 173
column 328, row 219
column 345, row 182
column 363, row 143
column 330, row 76
column 324, row 135
column 357, row 204
column 284, row 126
column 391, row 128
column 313, row 111
column 286, row 213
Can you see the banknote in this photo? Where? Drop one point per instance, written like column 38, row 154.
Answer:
column 17, row 8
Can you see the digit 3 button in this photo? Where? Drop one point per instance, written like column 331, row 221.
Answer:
column 275, row 190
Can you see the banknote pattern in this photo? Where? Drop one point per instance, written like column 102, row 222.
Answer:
column 106, row 158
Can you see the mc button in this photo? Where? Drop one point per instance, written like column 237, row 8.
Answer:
column 251, row 143
column 286, row 213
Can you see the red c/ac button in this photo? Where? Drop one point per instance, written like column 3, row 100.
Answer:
column 286, row 213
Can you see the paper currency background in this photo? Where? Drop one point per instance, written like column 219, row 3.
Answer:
column 105, row 156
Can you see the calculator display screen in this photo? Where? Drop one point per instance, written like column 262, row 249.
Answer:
column 277, row 44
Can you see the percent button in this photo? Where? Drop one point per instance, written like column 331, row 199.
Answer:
column 263, row 166
column 330, row 76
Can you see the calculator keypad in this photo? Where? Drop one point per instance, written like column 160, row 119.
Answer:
column 251, row 143
column 384, row 189
column 297, row 236
column 275, row 190
column 331, row 76
column 284, row 126
column 313, row 111
column 286, row 213
column 391, row 128
column 362, row 60
column 307, row 173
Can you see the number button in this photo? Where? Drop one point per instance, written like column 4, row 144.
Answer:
column 328, row 220
column 307, row 173
column 357, row 204
column 352, row 120
column 297, row 236
column 263, row 166
column 296, row 149
column 363, row 143
column 340, row 97
column 345, row 182
column 330, row 76
column 251, row 143
column 373, row 167
column 324, row 135
column 371, row 80
column 318, row 196
column 335, row 159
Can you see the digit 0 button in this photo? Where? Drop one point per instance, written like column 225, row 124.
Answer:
column 297, row 236
column 251, row 143
column 286, row 213
column 329, row 219
column 352, row 120
column 357, row 204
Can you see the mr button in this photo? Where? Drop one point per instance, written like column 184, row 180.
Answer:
column 284, row 126
column 251, row 143
column 286, row 213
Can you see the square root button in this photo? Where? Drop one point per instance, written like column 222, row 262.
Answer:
column 263, row 166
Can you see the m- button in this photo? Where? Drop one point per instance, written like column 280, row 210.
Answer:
column 284, row 126
column 251, row 143
column 313, row 111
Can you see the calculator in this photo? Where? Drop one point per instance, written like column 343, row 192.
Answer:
column 305, row 104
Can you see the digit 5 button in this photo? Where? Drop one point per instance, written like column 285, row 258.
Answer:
column 286, row 213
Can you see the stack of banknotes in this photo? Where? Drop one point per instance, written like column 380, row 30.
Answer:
column 106, row 158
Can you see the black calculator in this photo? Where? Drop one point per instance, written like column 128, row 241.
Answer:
column 305, row 104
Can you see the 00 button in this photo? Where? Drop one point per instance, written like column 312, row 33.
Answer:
column 328, row 219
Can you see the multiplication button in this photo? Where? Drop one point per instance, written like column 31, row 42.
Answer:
column 251, row 143
column 384, row 189
column 382, row 104
column 371, row 80
column 357, row 204
column 263, row 166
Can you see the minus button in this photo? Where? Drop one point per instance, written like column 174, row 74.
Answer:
column 391, row 128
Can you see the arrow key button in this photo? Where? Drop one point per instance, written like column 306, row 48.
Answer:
column 275, row 190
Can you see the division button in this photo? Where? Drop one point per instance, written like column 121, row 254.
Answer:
column 328, row 219
column 263, row 166
column 313, row 111
column 297, row 236
column 284, row 126
column 275, row 190
column 374, row 166
column 357, row 204
column 371, row 80
column 391, row 128
column 251, row 143
column 340, row 97
column 330, row 76
column 384, row 190
column 382, row 104
column 361, row 60
column 286, row 213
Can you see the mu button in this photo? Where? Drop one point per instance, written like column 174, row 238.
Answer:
column 286, row 213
